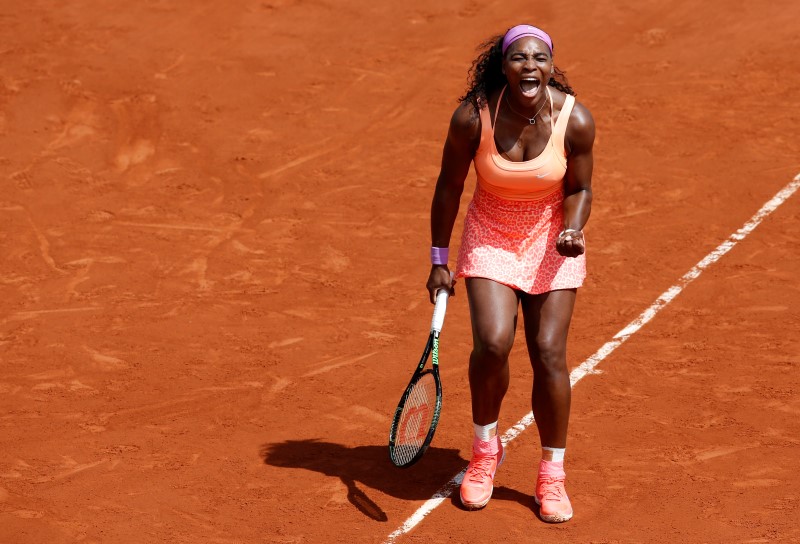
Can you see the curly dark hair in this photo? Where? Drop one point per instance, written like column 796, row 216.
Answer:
column 486, row 76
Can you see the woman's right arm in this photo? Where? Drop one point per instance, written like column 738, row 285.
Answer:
column 463, row 139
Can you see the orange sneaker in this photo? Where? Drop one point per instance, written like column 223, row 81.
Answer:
column 554, row 505
column 478, row 482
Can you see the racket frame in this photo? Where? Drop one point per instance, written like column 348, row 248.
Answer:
column 431, row 347
column 432, row 351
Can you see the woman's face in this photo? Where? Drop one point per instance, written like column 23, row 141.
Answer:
column 528, row 66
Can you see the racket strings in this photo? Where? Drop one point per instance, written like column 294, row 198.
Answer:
column 416, row 419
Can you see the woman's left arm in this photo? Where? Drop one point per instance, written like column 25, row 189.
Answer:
column 577, row 182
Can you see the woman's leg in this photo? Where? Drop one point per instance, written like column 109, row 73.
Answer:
column 547, row 317
column 493, row 312
column 493, row 309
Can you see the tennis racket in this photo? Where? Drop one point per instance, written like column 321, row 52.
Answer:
column 417, row 413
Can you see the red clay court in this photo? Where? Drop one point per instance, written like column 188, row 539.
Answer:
column 214, row 246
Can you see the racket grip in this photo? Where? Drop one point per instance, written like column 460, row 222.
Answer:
column 439, row 309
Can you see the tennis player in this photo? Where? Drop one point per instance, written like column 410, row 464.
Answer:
column 522, row 245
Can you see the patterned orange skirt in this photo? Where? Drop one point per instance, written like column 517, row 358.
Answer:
column 513, row 242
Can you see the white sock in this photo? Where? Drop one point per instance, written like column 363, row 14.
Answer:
column 553, row 454
column 485, row 432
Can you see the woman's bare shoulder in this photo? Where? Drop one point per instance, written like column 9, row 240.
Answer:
column 580, row 130
column 465, row 125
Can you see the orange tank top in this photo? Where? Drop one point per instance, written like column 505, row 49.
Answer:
column 526, row 180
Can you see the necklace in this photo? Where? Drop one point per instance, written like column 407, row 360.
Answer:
column 531, row 120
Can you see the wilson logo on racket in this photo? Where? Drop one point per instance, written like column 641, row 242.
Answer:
column 415, row 424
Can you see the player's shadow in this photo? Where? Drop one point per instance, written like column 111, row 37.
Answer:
column 502, row 493
column 370, row 466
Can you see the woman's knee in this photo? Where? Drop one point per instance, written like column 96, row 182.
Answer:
column 493, row 348
column 550, row 355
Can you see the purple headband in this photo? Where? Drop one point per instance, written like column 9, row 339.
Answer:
column 523, row 31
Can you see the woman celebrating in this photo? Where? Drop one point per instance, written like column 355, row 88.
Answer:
column 522, row 244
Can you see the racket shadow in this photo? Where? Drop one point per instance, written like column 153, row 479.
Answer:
column 368, row 466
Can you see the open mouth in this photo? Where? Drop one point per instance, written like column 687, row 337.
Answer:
column 529, row 86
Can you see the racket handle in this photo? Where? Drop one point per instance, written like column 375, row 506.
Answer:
column 439, row 309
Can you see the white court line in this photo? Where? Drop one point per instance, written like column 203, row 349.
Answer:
column 587, row 367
